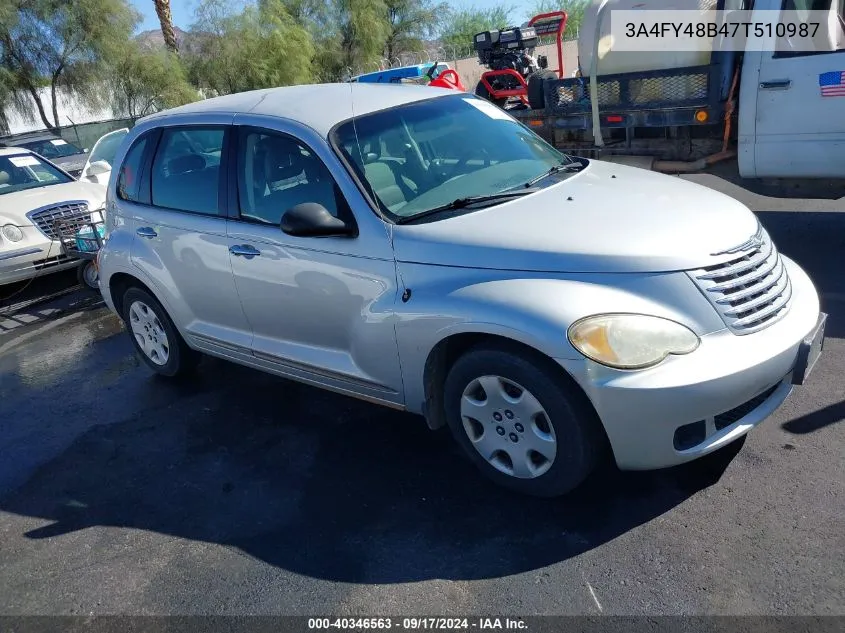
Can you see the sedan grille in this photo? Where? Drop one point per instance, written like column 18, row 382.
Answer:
column 750, row 291
column 71, row 215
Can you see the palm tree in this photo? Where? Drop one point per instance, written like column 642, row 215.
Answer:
column 166, row 19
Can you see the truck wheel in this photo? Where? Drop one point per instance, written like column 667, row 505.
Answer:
column 536, row 91
column 481, row 91
column 520, row 422
column 156, row 339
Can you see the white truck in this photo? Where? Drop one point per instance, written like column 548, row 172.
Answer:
column 766, row 108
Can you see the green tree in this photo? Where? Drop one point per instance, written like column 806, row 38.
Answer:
column 363, row 31
column 409, row 23
column 462, row 26
column 574, row 13
column 143, row 81
column 260, row 47
column 61, row 46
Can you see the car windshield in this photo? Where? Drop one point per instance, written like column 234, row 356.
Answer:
column 107, row 147
column 26, row 171
column 52, row 148
column 427, row 154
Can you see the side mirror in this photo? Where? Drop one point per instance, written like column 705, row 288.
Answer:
column 310, row 219
column 98, row 167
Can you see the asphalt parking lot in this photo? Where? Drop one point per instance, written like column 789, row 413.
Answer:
column 235, row 492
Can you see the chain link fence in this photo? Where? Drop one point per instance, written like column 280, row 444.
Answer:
column 451, row 54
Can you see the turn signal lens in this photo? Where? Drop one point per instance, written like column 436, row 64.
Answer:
column 630, row 341
column 701, row 116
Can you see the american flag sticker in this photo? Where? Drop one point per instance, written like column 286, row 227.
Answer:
column 832, row 84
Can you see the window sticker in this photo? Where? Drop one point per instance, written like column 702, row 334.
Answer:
column 489, row 109
column 24, row 161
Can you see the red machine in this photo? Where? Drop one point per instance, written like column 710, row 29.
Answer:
column 509, row 55
column 446, row 79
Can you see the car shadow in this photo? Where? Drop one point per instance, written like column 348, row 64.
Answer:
column 816, row 420
column 313, row 482
column 816, row 242
column 791, row 188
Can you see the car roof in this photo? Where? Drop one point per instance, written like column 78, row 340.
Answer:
column 28, row 137
column 12, row 151
column 319, row 106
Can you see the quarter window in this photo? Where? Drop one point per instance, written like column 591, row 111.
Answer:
column 276, row 173
column 129, row 179
column 826, row 21
column 186, row 170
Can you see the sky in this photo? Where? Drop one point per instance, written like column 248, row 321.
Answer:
column 183, row 11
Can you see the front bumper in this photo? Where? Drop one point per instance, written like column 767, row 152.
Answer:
column 730, row 383
column 31, row 257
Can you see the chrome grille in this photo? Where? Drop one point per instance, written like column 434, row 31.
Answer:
column 72, row 215
column 750, row 291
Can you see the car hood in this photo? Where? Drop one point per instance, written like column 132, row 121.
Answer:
column 14, row 206
column 72, row 163
column 606, row 218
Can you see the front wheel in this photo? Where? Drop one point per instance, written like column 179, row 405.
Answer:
column 521, row 422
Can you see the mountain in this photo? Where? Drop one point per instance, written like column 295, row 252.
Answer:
column 153, row 39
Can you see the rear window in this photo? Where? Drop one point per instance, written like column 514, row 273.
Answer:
column 52, row 148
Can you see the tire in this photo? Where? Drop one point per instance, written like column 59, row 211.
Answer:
column 536, row 92
column 165, row 351
column 87, row 276
column 481, row 91
column 567, row 418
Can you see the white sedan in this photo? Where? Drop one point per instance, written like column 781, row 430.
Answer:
column 34, row 194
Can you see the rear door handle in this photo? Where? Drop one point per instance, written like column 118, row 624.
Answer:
column 146, row 231
column 776, row 84
column 244, row 250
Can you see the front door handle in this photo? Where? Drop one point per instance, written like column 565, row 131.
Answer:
column 244, row 250
column 776, row 84
column 146, row 231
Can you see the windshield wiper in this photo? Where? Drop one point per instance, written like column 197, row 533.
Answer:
column 571, row 167
column 462, row 203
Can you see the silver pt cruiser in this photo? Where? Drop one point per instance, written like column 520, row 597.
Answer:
column 421, row 249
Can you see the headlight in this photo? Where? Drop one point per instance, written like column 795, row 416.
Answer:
column 630, row 341
column 12, row 233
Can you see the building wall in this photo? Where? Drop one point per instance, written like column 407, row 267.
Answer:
column 70, row 111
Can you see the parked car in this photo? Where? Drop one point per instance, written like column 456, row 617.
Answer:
column 35, row 194
column 54, row 148
column 99, row 164
column 421, row 249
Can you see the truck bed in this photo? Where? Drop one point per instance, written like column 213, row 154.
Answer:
column 692, row 95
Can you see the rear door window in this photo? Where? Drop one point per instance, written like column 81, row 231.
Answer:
column 186, row 170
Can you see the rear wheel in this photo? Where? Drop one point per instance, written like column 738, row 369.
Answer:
column 520, row 422
column 156, row 339
column 536, row 88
